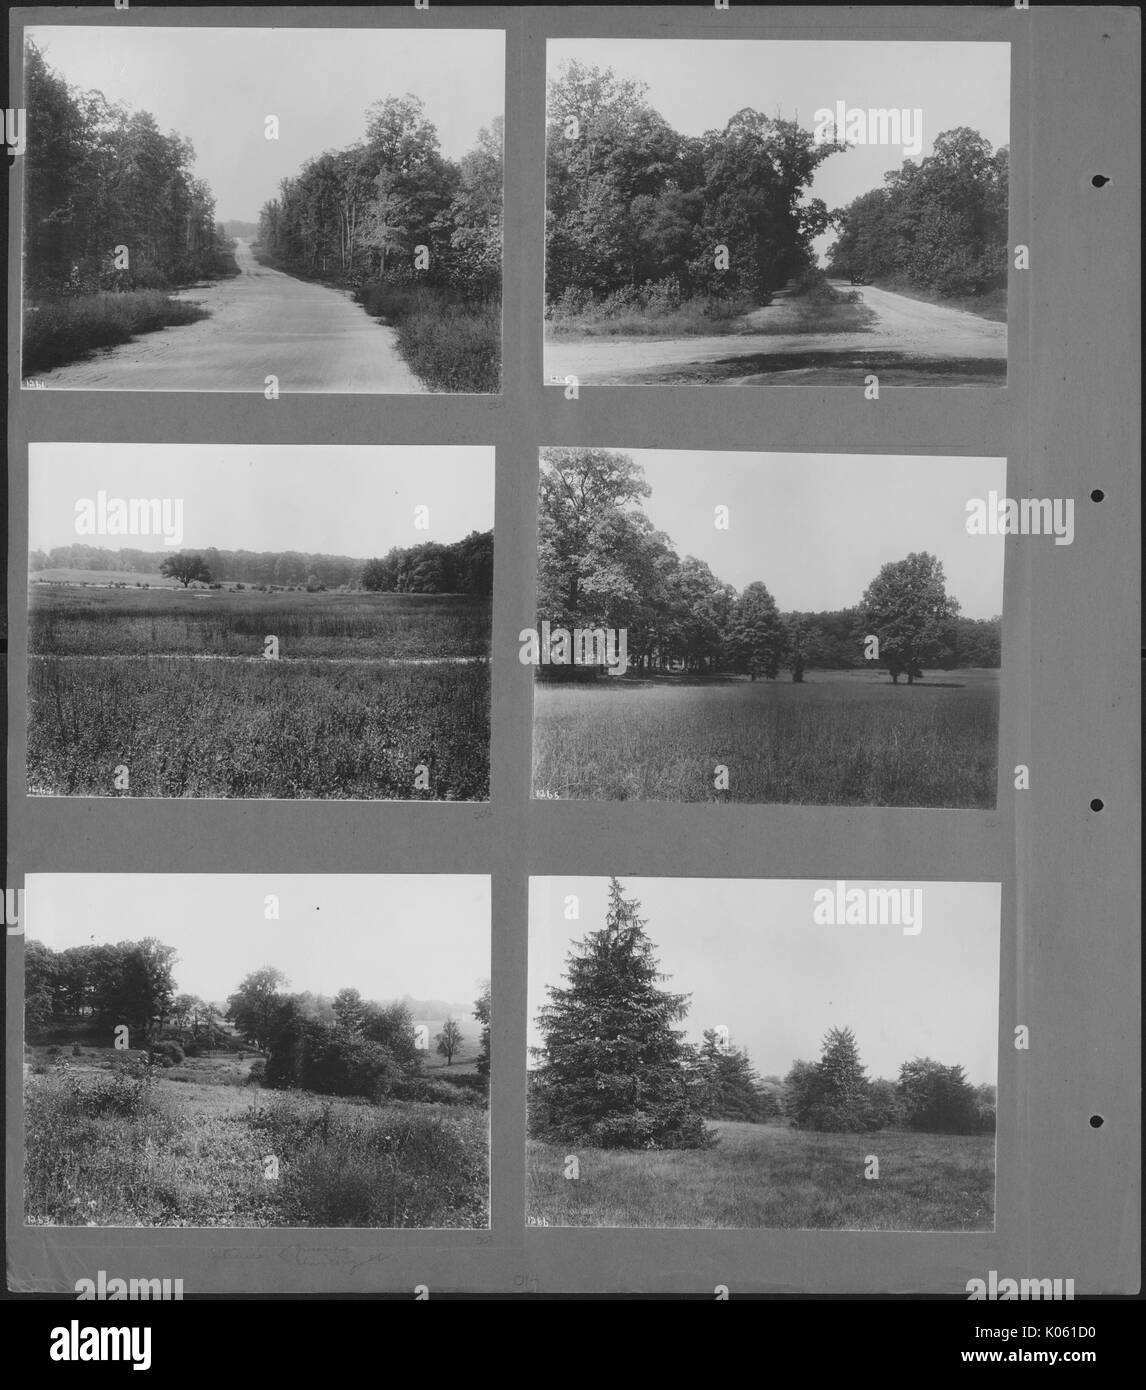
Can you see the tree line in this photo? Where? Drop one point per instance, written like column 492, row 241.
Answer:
column 631, row 202
column 940, row 224
column 601, row 563
column 464, row 566
column 614, row 1072
column 344, row 1045
column 360, row 213
column 98, row 176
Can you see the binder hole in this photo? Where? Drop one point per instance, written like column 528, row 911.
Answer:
column 1096, row 1121
column 1099, row 180
column 1097, row 495
column 1096, row 804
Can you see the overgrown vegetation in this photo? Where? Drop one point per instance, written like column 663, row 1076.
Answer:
column 174, row 686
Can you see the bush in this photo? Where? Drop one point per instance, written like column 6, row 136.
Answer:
column 257, row 1073
column 77, row 1050
column 167, row 1053
column 53, row 1051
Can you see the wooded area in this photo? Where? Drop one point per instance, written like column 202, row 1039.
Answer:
column 601, row 563
column 632, row 204
column 100, row 176
column 940, row 224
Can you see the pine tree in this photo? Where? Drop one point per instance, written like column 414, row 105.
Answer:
column 614, row 1073
column 732, row 1089
column 841, row 1100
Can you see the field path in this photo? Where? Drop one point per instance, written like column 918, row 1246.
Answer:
column 910, row 327
column 263, row 323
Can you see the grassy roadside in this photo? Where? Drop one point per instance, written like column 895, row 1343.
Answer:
column 65, row 330
column 659, row 311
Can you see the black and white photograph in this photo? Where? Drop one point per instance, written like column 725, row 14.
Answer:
column 740, row 627
column 201, row 214
column 750, row 1053
column 245, row 1051
column 752, row 212
column 264, row 621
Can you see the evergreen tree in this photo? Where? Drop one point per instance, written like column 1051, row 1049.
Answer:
column 731, row 1088
column 614, row 1073
column 842, row 1101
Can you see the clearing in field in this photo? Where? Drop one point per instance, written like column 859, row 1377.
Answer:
column 763, row 1176
column 835, row 739
column 173, row 686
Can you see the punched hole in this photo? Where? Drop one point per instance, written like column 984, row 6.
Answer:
column 1099, row 180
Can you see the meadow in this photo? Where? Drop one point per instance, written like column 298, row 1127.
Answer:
column 109, row 1143
column 840, row 738
column 772, row 1177
column 173, row 685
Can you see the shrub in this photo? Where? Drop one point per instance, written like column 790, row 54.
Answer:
column 77, row 1050
column 167, row 1053
column 53, row 1051
column 257, row 1073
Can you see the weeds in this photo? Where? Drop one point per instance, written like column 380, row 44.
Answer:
column 64, row 329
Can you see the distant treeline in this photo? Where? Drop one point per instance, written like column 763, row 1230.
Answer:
column 359, row 213
column 100, row 176
column 834, row 1094
column 940, row 224
column 460, row 567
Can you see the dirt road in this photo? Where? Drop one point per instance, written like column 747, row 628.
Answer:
column 263, row 323
column 910, row 342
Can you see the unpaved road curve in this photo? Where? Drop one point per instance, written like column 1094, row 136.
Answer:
column 263, row 323
column 905, row 326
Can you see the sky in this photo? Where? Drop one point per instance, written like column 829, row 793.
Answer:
column 355, row 500
column 217, row 86
column 699, row 85
column 385, row 935
column 816, row 528
column 748, row 952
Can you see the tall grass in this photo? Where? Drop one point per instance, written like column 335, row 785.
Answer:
column 656, row 309
column 766, row 1176
column 332, row 718
column 344, row 1164
column 259, row 729
column 64, row 329
column 451, row 343
column 194, row 1155
column 835, row 741
column 101, row 622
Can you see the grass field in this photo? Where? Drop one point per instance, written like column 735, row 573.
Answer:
column 190, row 1148
column 841, row 738
column 173, row 685
column 766, row 1176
